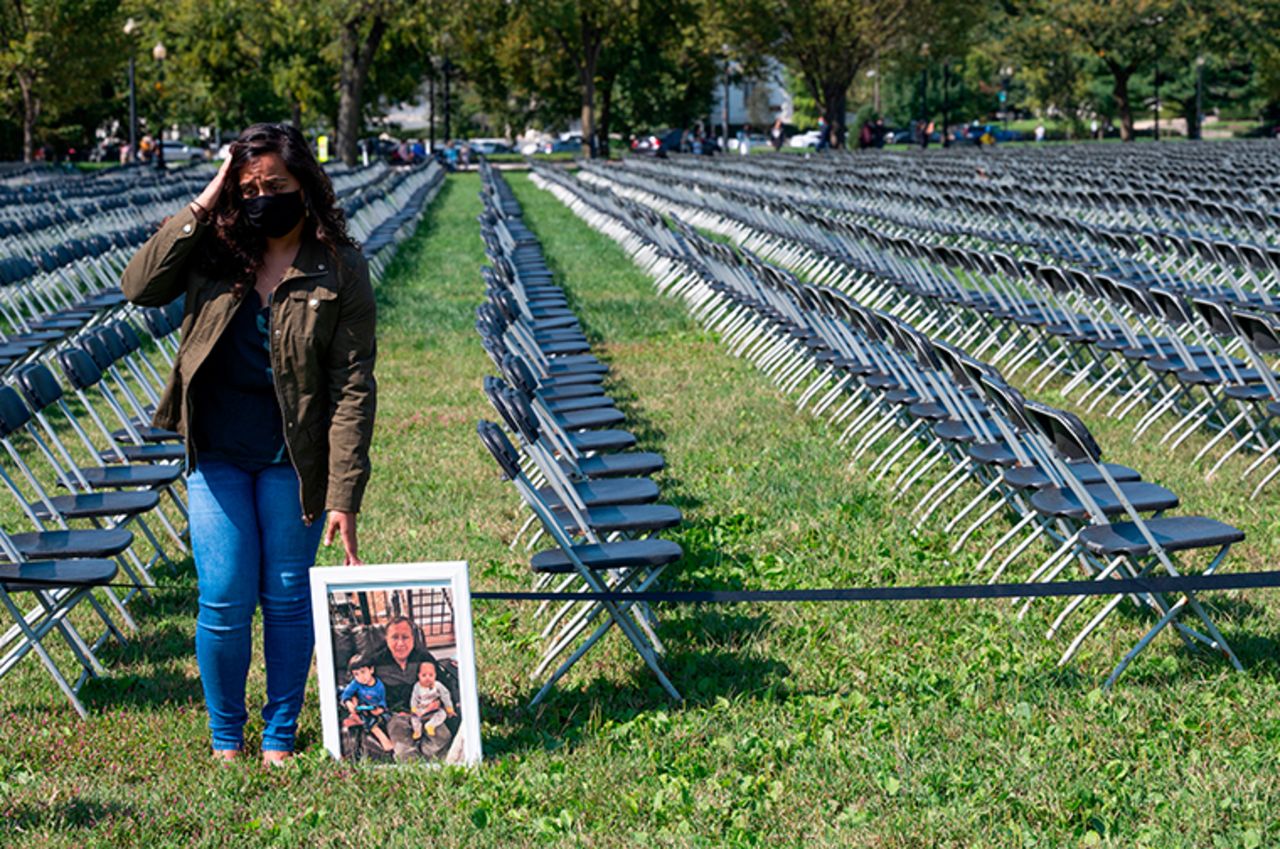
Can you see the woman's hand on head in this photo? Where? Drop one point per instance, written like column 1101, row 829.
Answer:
column 343, row 525
column 207, row 198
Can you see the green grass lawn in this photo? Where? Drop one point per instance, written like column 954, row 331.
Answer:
column 923, row 724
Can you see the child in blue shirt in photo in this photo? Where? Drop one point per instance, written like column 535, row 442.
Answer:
column 365, row 699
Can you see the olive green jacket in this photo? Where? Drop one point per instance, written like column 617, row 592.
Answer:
column 322, row 353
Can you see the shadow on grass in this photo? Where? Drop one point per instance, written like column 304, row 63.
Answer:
column 702, row 677
column 76, row 813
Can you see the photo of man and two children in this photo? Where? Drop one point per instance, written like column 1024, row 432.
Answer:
column 397, row 675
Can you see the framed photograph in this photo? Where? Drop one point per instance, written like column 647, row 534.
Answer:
column 396, row 663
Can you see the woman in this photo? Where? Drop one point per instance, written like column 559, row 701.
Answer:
column 273, row 390
column 396, row 665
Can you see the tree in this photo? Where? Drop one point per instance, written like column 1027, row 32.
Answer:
column 1125, row 35
column 827, row 42
column 361, row 26
column 50, row 51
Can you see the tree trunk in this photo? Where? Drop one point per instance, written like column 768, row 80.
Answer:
column 1120, row 91
column 606, row 114
column 295, row 113
column 835, row 104
column 357, row 56
column 30, row 114
column 587, row 73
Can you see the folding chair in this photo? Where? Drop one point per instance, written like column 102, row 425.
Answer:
column 57, row 586
column 608, row 566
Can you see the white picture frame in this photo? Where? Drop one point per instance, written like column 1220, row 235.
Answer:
column 372, row 596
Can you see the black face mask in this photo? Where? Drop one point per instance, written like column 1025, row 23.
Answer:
column 274, row 215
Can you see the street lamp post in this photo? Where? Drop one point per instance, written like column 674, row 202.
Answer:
column 1199, row 97
column 431, row 100
column 924, row 96
column 946, row 103
column 874, row 75
column 448, row 125
column 159, row 53
column 129, row 27
column 1155, row 104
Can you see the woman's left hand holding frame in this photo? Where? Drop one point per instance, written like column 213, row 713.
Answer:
column 343, row 525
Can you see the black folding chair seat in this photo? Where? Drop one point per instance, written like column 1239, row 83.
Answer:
column 58, row 324
column 94, row 505
column 570, row 390
column 102, row 301
column 628, row 518
column 585, row 419
column 588, row 378
column 598, row 401
column 53, row 545
column 148, row 434
column 56, row 574
column 1251, row 392
column 575, row 363
column 154, row 453
column 1032, row 477
column 853, row 367
column 605, row 492
column 543, row 321
column 881, row 380
column 589, row 441
column 552, row 349
column 993, row 454
column 628, row 554
column 902, row 396
column 1145, row 497
column 119, row 477
column 1172, row 533
column 622, row 465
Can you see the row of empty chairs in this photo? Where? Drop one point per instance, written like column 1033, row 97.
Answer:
column 586, row 491
column 893, row 388
column 1120, row 331
column 98, row 493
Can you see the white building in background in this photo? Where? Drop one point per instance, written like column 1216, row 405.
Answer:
column 757, row 102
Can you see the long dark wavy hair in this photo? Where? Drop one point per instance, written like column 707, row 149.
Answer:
column 236, row 251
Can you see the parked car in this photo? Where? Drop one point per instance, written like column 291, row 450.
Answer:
column 571, row 144
column 488, row 147
column 658, row 143
column 178, row 152
column 807, row 139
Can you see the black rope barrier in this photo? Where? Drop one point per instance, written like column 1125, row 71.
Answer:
column 1147, row 585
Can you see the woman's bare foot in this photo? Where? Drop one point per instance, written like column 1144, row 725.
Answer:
column 276, row 758
column 227, row 756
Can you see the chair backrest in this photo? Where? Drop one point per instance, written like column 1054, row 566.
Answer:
column 14, row 413
column 38, row 386
column 1006, row 400
column 500, row 447
column 97, row 349
column 1262, row 335
column 79, row 368
column 157, row 322
column 1172, row 307
column 521, row 414
column 1067, row 433
column 519, row 374
column 1216, row 315
column 128, row 336
column 111, row 339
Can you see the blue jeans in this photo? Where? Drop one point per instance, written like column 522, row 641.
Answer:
column 251, row 546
